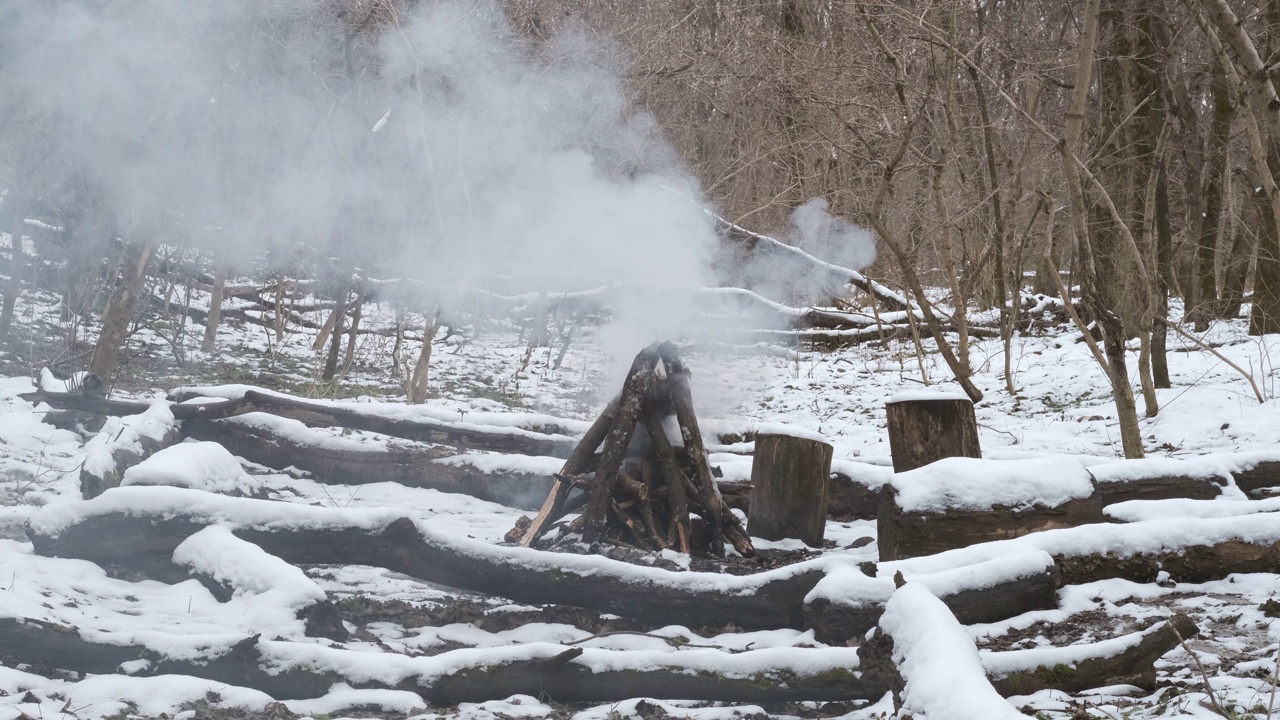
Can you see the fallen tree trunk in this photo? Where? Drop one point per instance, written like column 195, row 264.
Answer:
column 494, row 439
column 282, row 443
column 935, row 658
column 293, row 671
column 1128, row 660
column 1189, row 549
column 845, row 604
column 140, row 527
column 948, row 504
column 464, row 435
column 56, row 647
column 123, row 443
column 935, row 652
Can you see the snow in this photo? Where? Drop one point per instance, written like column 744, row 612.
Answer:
column 788, row 430
column 924, row 395
column 972, row 484
column 125, row 434
column 944, row 676
column 1208, row 426
column 196, row 465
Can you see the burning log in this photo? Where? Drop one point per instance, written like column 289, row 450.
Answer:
column 640, row 491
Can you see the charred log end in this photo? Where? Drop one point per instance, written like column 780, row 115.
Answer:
column 849, row 500
column 887, row 521
column 879, row 673
column 1037, row 591
column 1258, row 477
column 789, row 478
column 925, row 430
column 839, row 624
column 324, row 620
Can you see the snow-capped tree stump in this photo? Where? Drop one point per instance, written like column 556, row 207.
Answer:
column 789, row 477
column 925, row 428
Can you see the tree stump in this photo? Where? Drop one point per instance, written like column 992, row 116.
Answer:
column 923, row 429
column 789, row 488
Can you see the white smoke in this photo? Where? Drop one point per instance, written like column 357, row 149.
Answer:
column 438, row 143
column 816, row 231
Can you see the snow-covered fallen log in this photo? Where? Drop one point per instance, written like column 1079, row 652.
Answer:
column 920, row 652
column 400, row 421
column 141, row 527
column 846, row 603
column 957, row 502
column 271, row 592
column 513, row 480
column 384, row 418
column 924, row 656
column 1127, row 660
column 1189, row 549
column 293, row 670
column 123, row 442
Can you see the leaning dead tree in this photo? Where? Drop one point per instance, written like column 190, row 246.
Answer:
column 641, row 487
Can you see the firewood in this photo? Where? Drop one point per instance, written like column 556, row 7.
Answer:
column 676, row 481
column 682, row 401
column 617, row 441
column 583, row 453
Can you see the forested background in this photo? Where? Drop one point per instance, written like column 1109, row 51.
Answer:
column 1120, row 153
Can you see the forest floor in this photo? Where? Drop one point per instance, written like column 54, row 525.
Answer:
column 1061, row 407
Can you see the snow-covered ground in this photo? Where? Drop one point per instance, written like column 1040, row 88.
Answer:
column 1061, row 408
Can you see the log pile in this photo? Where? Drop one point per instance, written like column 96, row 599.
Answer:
column 640, row 488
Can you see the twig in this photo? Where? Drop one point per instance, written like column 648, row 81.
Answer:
column 1208, row 689
column 1174, row 326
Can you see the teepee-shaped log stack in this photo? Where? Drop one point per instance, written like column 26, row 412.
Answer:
column 640, row 488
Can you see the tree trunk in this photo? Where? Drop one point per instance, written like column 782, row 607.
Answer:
column 1207, row 306
column 924, row 430
column 17, row 222
column 1164, row 274
column 1264, row 103
column 215, row 308
column 789, row 477
column 416, row 385
column 120, row 309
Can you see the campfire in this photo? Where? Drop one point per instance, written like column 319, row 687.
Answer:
column 641, row 487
